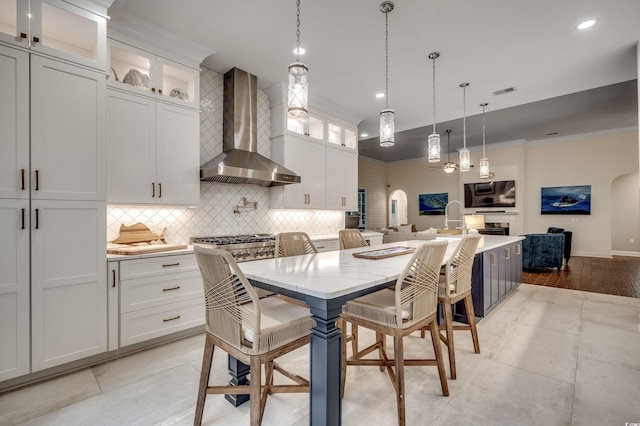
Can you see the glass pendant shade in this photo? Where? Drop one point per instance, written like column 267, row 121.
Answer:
column 298, row 90
column 465, row 160
column 434, row 148
column 449, row 167
column 484, row 168
column 387, row 127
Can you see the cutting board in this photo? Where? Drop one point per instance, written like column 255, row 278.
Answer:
column 152, row 248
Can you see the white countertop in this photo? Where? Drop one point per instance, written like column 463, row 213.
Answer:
column 114, row 257
column 366, row 233
column 336, row 273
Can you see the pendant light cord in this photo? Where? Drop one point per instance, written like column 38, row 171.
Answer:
column 464, row 114
column 434, row 94
column 298, row 31
column 386, row 58
column 483, row 126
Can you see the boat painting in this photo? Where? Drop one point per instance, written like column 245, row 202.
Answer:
column 566, row 200
column 432, row 204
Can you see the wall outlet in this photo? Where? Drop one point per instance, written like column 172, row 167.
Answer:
column 632, row 241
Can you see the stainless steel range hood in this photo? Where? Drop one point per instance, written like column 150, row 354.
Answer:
column 240, row 161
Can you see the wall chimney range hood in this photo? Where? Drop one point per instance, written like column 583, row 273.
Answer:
column 240, row 161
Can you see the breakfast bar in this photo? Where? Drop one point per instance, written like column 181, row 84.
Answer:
column 326, row 281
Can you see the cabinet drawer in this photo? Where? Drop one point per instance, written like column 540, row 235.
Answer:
column 155, row 322
column 148, row 292
column 327, row 245
column 140, row 268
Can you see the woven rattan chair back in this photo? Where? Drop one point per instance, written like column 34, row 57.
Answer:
column 459, row 265
column 231, row 302
column 351, row 238
column 294, row 244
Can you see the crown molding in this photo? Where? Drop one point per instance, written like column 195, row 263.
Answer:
column 130, row 29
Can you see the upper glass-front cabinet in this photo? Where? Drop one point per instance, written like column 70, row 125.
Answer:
column 56, row 28
column 309, row 126
column 143, row 72
column 318, row 128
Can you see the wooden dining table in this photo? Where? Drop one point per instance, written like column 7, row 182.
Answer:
column 326, row 281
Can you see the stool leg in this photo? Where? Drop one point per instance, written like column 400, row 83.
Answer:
column 468, row 304
column 448, row 323
column 399, row 357
column 205, row 371
column 437, row 349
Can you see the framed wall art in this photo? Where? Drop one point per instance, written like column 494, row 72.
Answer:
column 432, row 204
column 566, row 200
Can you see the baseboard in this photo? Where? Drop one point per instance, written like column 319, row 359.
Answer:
column 625, row 253
column 589, row 254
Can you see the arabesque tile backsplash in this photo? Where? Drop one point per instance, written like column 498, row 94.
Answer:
column 214, row 215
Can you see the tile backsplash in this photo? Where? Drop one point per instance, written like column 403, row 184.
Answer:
column 214, row 215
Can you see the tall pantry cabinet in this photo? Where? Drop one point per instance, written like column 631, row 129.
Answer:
column 52, row 184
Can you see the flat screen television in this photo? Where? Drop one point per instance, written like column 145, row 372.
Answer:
column 490, row 194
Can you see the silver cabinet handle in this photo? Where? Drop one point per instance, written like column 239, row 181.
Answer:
column 508, row 256
column 493, row 259
column 518, row 247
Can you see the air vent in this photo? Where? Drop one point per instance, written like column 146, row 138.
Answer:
column 504, row 91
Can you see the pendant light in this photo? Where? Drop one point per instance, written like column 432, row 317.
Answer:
column 449, row 167
column 484, row 161
column 298, row 79
column 465, row 159
column 387, row 124
column 434, row 138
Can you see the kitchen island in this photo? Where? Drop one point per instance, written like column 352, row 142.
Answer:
column 326, row 281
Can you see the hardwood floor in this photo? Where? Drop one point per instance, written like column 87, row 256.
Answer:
column 618, row 276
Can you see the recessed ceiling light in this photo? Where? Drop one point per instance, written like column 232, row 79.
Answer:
column 379, row 95
column 299, row 51
column 364, row 135
column 586, row 24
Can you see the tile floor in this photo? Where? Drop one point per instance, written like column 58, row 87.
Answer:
column 549, row 357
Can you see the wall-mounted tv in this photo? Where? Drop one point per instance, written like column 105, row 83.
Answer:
column 490, row 194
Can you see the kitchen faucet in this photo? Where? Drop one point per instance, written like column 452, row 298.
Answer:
column 463, row 225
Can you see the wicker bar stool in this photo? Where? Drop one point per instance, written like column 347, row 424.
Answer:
column 294, row 244
column 254, row 331
column 410, row 307
column 454, row 286
column 351, row 238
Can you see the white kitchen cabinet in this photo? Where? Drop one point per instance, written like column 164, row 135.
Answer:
column 158, row 296
column 73, row 30
column 67, row 132
column 68, row 283
column 53, row 194
column 152, row 75
column 153, row 154
column 375, row 240
column 341, row 179
column 14, row 123
column 306, row 158
column 326, row 244
column 14, row 288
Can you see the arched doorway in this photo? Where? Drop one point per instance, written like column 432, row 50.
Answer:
column 625, row 225
column 398, row 214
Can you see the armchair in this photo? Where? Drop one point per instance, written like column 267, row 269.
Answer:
column 567, row 241
column 543, row 251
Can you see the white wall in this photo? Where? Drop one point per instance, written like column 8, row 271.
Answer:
column 594, row 159
column 372, row 176
column 625, row 224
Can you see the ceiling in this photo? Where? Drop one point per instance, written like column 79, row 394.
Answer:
column 567, row 81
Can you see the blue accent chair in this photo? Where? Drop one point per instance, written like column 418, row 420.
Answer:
column 543, row 251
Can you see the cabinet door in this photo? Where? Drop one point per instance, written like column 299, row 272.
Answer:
column 14, row 21
column 314, row 174
column 113, row 314
column 516, row 263
column 68, row 285
column 68, row 32
column 131, row 148
column 67, row 132
column 178, row 155
column 179, row 83
column 14, row 123
column 342, row 179
column 14, row 288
